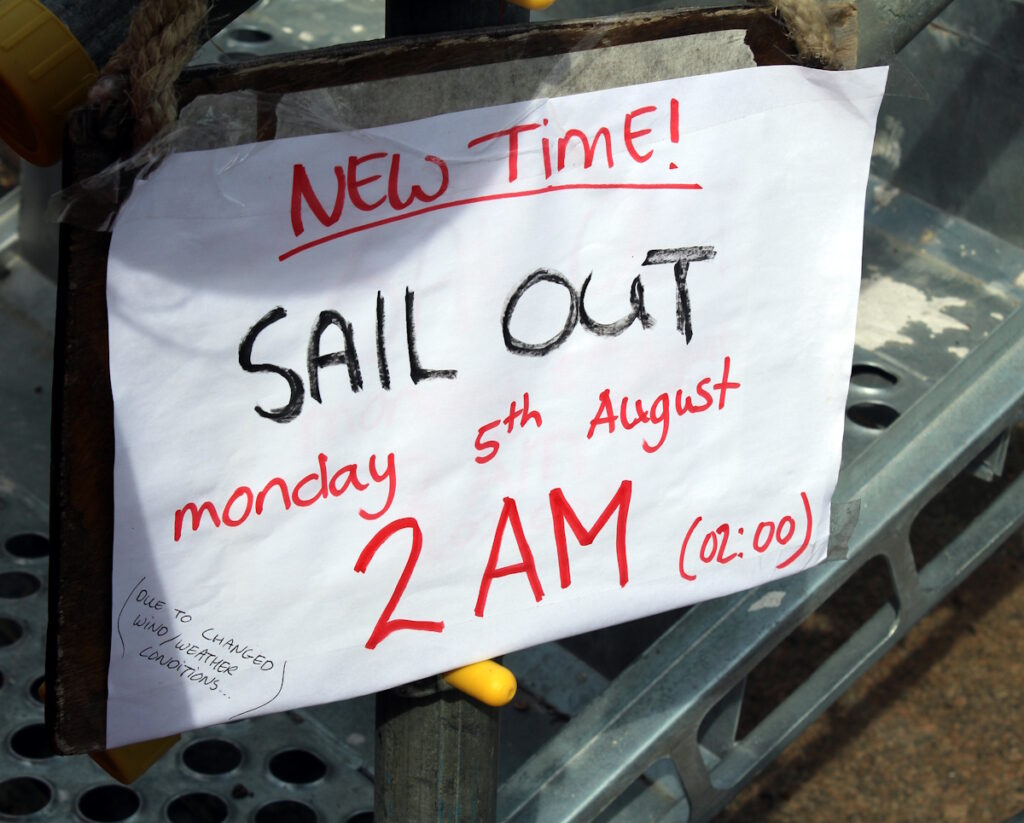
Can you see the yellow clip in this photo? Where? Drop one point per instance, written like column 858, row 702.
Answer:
column 44, row 73
column 126, row 764
column 535, row 5
column 487, row 681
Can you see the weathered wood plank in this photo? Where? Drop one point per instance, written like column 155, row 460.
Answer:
column 379, row 60
column 81, row 496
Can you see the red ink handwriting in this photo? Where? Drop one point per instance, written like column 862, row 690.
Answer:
column 305, row 491
column 660, row 411
column 530, row 140
column 562, row 513
column 385, row 625
column 702, row 546
column 352, row 185
column 714, row 543
column 489, row 448
column 375, row 182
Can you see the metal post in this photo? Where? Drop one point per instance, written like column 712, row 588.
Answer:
column 436, row 755
column 419, row 17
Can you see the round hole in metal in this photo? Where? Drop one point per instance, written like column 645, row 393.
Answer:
column 28, row 545
column 21, row 796
column 249, row 34
column 108, row 804
column 212, row 756
column 360, row 817
column 18, row 584
column 197, row 807
column 32, row 742
column 297, row 766
column 285, row 811
column 872, row 415
column 10, row 631
column 872, row 377
column 33, row 689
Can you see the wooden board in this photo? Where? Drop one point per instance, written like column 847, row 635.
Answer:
column 81, row 512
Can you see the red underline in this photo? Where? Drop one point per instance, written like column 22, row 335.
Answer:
column 481, row 199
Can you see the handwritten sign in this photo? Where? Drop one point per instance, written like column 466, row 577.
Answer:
column 392, row 401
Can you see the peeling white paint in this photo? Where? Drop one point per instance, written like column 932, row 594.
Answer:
column 887, row 307
column 772, row 600
column 883, row 194
column 1020, row 280
column 887, row 145
column 959, row 351
column 997, row 316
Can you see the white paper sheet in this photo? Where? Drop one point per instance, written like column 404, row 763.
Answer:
column 430, row 521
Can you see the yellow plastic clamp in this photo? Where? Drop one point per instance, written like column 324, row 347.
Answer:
column 487, row 681
column 126, row 764
column 533, row 5
column 44, row 73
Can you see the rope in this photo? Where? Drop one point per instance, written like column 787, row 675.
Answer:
column 161, row 40
column 809, row 29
